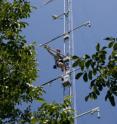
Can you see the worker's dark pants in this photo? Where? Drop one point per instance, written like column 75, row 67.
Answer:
column 59, row 64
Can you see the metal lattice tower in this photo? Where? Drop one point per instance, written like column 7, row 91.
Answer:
column 70, row 89
column 68, row 77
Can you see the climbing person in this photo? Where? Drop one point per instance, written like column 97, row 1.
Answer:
column 58, row 57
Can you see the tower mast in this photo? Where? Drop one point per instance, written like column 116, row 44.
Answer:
column 70, row 89
column 68, row 77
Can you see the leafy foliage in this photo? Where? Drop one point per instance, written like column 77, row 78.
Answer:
column 17, row 63
column 11, row 17
column 101, row 70
column 54, row 113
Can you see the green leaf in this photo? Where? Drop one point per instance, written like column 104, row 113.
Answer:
column 78, row 75
column 75, row 57
column 103, row 48
column 33, row 120
column 93, row 95
column 67, row 98
column 85, row 77
column 95, row 56
column 114, row 54
column 81, row 64
column 110, row 39
column 100, row 87
column 96, row 91
column 93, row 63
column 88, row 63
column 90, row 75
column 86, row 98
column 86, row 56
column 75, row 64
column 115, row 46
column 92, row 83
column 110, row 45
column 94, row 71
column 112, row 100
column 41, row 100
column 98, row 47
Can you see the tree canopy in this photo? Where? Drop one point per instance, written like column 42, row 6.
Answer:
column 54, row 113
column 18, row 68
column 100, row 69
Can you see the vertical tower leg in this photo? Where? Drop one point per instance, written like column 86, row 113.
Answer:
column 69, row 51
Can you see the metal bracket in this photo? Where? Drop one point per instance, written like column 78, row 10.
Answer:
column 66, row 80
column 66, row 36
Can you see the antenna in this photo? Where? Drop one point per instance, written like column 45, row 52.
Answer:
column 92, row 111
column 48, row 1
column 85, row 24
column 55, row 17
column 58, row 77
